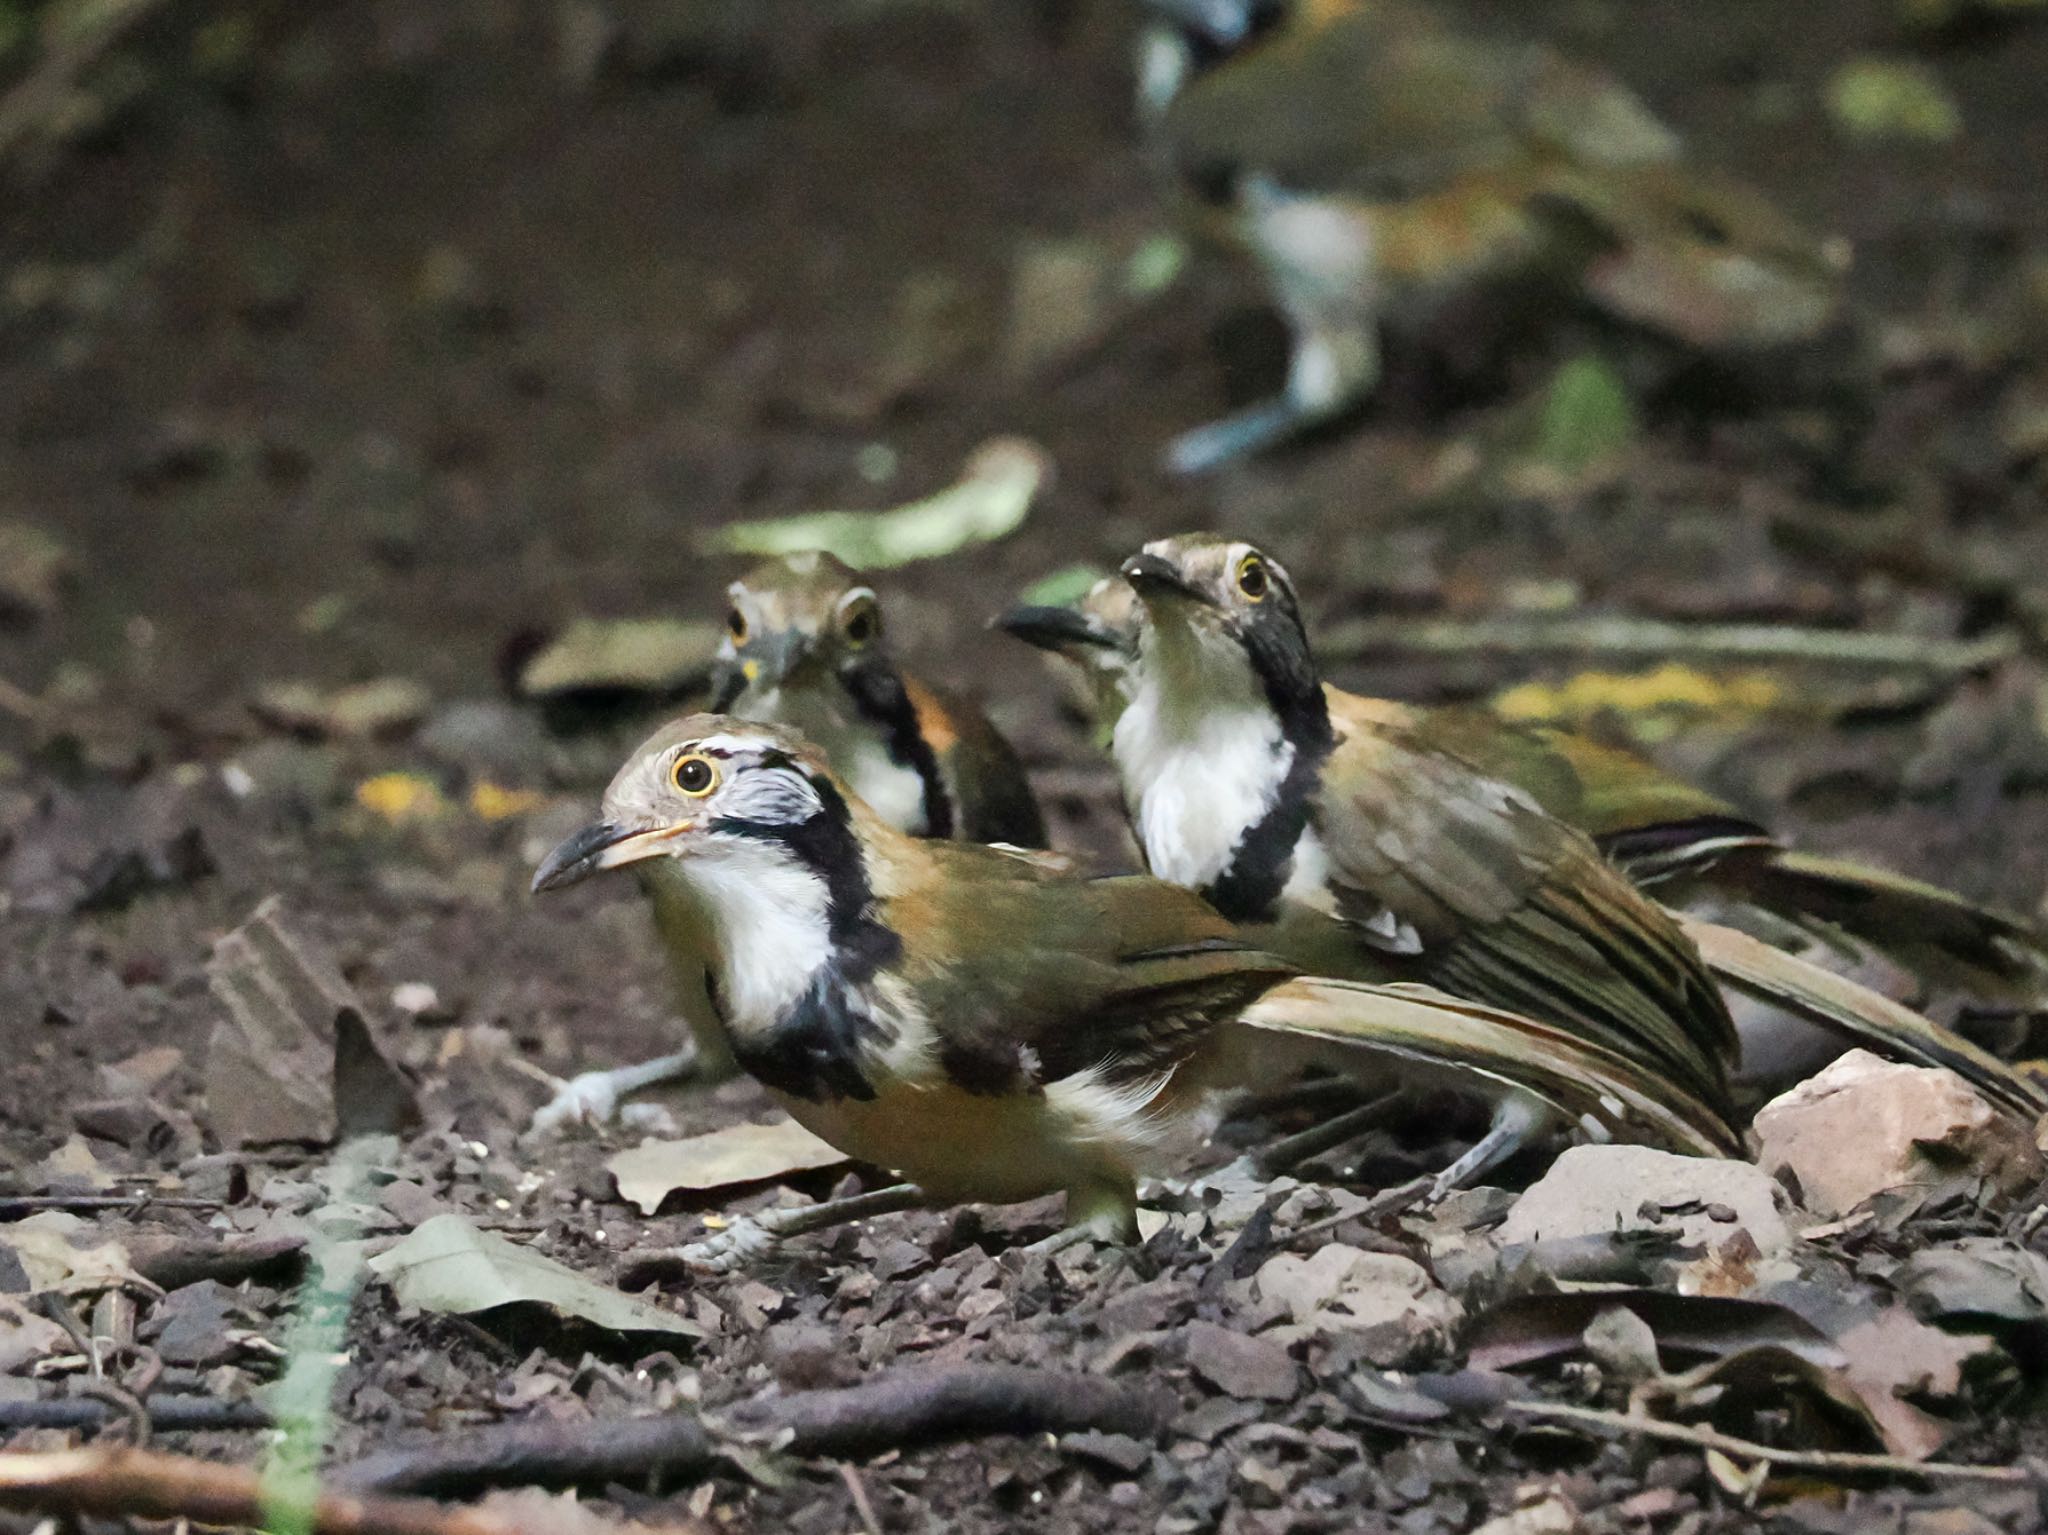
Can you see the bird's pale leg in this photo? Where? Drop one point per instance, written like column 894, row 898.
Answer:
column 757, row 1236
column 1515, row 1121
column 1319, row 261
column 1100, row 1212
column 592, row 1097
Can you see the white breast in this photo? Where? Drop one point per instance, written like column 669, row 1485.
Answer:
column 1198, row 780
column 763, row 918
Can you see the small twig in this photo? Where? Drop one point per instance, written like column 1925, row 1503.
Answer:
column 857, row 1490
column 167, row 1414
column 898, row 1409
column 1822, row 1461
column 12, row 1205
column 141, row 1484
column 1386, row 1202
column 176, row 1262
column 1651, row 639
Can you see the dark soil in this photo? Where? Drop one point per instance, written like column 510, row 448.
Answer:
column 411, row 340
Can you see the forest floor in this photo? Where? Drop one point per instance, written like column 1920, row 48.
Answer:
column 426, row 330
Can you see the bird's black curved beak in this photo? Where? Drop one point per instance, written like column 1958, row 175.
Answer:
column 599, row 846
column 1055, row 629
column 1152, row 576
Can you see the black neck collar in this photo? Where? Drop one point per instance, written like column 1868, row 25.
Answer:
column 880, row 698
column 1248, row 890
column 816, row 1050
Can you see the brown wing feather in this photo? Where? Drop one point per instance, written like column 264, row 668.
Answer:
column 1496, row 900
column 990, row 791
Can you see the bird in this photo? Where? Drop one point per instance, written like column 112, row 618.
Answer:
column 1372, row 162
column 1682, row 843
column 994, row 1026
column 804, row 643
column 1338, row 831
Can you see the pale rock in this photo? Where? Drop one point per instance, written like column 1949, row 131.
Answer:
column 1547, row 1513
column 1865, row 1125
column 1598, row 1190
column 1389, row 1301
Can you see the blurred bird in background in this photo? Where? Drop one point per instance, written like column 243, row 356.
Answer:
column 1371, row 163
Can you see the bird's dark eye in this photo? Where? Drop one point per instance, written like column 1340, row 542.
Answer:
column 695, row 776
column 1252, row 579
column 736, row 626
column 862, row 625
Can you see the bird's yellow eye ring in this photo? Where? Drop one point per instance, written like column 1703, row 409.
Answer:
column 1252, row 578
column 736, row 626
column 862, row 625
column 694, row 775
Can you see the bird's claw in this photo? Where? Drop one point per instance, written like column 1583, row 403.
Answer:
column 739, row 1245
column 590, row 1098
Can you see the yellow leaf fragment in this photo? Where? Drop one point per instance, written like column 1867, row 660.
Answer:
column 398, row 797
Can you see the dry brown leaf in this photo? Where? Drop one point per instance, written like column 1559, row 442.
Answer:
column 43, row 1244
column 650, row 1172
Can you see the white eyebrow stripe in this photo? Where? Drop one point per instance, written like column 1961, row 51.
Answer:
column 856, row 594
column 733, row 745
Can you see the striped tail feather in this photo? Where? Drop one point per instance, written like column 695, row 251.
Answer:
column 1837, row 1003
column 1496, row 1054
column 1935, row 933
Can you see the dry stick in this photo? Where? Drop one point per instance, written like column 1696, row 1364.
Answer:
column 1842, row 1461
column 140, row 1484
column 12, row 1205
column 166, row 1414
column 857, row 1490
column 1644, row 638
column 899, row 1408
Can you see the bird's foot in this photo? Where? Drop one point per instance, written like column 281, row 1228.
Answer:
column 740, row 1245
column 750, row 1239
column 1242, row 435
column 592, row 1097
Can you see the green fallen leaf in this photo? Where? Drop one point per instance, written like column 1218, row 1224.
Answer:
column 989, row 501
column 449, row 1266
column 1061, row 588
column 1155, row 266
column 1587, row 416
column 632, row 655
column 1872, row 98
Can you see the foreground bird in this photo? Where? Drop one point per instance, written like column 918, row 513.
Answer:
column 994, row 1027
column 805, row 645
column 1691, row 848
column 1372, row 162
column 1356, row 830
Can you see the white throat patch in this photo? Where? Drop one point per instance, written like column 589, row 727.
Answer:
column 1201, row 754
column 765, row 917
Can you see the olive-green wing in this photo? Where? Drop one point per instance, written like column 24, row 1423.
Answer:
column 1495, row 900
column 1637, row 814
column 1029, row 975
column 1383, row 101
column 1377, row 101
